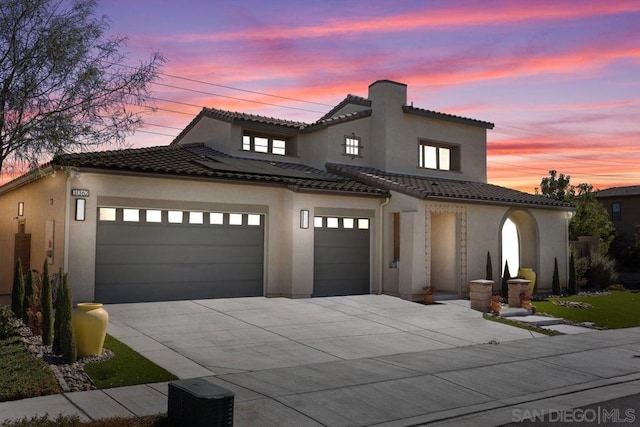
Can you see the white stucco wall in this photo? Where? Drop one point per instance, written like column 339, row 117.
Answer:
column 431, row 229
column 289, row 249
column 44, row 199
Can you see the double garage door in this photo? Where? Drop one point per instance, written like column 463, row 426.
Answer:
column 163, row 255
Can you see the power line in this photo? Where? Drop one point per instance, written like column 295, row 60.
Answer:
column 243, row 90
column 237, row 99
column 173, row 76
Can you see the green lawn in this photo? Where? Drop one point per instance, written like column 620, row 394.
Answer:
column 22, row 374
column 126, row 368
column 619, row 309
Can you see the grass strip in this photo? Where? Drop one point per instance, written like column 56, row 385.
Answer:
column 22, row 374
column 74, row 421
column 520, row 325
column 619, row 309
column 127, row 367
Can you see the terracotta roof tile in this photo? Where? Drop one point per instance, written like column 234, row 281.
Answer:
column 198, row 160
column 443, row 116
column 448, row 189
column 350, row 99
column 632, row 190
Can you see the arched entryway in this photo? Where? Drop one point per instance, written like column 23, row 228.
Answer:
column 519, row 242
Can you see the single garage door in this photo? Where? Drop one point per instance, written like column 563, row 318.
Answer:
column 163, row 255
column 341, row 256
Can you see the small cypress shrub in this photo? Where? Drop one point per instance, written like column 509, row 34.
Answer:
column 34, row 309
column 67, row 343
column 489, row 267
column 28, row 297
column 555, row 283
column 572, row 286
column 17, row 292
column 505, row 280
column 47, row 307
column 56, row 321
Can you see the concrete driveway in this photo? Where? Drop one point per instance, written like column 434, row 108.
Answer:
column 222, row 336
column 359, row 361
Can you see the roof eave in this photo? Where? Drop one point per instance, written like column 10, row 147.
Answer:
column 447, row 117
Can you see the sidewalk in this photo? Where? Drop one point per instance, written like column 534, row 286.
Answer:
column 464, row 384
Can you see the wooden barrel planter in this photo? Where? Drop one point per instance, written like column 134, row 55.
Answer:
column 480, row 294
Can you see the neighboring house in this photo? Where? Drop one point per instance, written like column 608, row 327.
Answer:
column 623, row 205
column 376, row 196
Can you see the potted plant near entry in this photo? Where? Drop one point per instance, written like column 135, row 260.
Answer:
column 525, row 302
column 496, row 304
column 428, row 294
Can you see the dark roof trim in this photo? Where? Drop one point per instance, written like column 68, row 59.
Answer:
column 253, row 120
column 448, row 117
column 628, row 191
column 350, row 99
column 387, row 81
column 320, row 124
column 452, row 191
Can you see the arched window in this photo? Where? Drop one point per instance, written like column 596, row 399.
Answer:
column 510, row 247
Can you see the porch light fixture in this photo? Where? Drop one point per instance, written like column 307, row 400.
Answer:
column 81, row 205
column 304, row 218
column 20, row 208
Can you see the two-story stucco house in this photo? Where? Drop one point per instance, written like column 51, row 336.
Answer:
column 377, row 196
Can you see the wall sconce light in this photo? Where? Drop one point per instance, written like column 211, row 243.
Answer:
column 81, row 205
column 304, row 218
column 20, row 208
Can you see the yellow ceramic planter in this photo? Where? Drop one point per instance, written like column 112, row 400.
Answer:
column 89, row 322
column 529, row 274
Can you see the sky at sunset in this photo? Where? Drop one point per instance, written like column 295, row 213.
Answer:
column 560, row 79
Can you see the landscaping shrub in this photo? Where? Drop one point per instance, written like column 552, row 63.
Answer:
column 555, row 283
column 28, row 297
column 45, row 421
column 489, row 267
column 56, row 321
column 47, row 307
column 67, row 344
column 582, row 265
column 17, row 292
column 602, row 272
column 505, row 280
column 33, row 309
column 572, row 286
column 8, row 323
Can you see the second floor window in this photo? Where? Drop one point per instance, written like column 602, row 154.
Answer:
column 616, row 211
column 264, row 144
column 441, row 157
column 352, row 146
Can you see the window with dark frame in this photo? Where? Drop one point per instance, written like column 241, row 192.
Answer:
column 264, row 144
column 616, row 211
column 438, row 156
column 352, row 146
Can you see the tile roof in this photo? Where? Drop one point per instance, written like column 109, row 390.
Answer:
column 328, row 119
column 198, row 160
column 430, row 188
column 632, row 190
column 443, row 116
column 350, row 99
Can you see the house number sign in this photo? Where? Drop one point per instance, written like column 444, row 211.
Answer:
column 79, row 192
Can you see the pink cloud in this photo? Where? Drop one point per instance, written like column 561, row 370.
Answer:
column 503, row 13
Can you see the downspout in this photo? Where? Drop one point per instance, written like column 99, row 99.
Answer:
column 381, row 244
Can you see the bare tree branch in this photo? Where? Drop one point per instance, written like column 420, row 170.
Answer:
column 65, row 85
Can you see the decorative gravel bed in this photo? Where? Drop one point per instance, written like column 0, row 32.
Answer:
column 70, row 376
